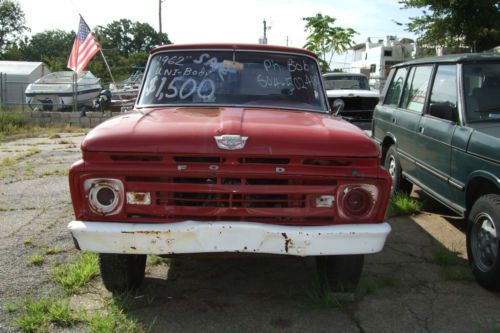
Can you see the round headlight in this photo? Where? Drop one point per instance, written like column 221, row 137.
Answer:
column 105, row 196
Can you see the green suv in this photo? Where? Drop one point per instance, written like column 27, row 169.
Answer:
column 439, row 128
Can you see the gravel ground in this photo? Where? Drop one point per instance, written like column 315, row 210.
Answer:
column 403, row 289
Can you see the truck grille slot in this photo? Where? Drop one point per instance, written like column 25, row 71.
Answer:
column 230, row 200
column 172, row 180
column 199, row 159
column 136, row 158
column 260, row 160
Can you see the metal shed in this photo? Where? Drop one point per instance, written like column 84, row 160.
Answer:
column 15, row 76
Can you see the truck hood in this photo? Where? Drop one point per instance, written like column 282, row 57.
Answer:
column 352, row 93
column 192, row 130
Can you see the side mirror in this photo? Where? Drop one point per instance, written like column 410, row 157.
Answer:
column 443, row 111
column 337, row 106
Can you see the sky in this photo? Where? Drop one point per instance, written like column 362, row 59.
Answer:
column 190, row 21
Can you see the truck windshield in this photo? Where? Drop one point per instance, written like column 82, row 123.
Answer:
column 482, row 91
column 227, row 78
column 336, row 82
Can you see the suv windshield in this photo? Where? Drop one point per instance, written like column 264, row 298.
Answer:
column 210, row 78
column 336, row 82
column 482, row 91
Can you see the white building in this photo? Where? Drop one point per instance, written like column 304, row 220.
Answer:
column 375, row 59
column 15, row 77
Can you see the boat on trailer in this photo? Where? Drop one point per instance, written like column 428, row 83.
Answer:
column 57, row 91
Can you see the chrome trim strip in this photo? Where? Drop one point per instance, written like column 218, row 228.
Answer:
column 456, row 184
column 431, row 171
column 456, row 208
column 406, row 156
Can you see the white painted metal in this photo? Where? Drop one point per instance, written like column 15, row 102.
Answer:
column 212, row 237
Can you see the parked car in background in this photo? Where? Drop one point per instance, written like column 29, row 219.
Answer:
column 233, row 149
column 354, row 91
column 439, row 128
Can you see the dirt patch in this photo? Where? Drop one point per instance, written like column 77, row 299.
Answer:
column 420, row 282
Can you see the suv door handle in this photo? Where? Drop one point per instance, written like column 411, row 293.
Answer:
column 394, row 120
column 421, row 130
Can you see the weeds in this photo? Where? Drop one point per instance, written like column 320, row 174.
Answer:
column 370, row 285
column 452, row 268
column 37, row 316
column 36, row 259
column 320, row 294
column 154, row 260
column 75, row 275
column 113, row 319
column 51, row 250
column 402, row 204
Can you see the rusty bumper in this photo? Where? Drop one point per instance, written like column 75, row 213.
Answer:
column 213, row 237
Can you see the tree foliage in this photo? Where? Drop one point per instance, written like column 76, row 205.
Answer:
column 12, row 23
column 325, row 39
column 129, row 37
column 126, row 44
column 456, row 23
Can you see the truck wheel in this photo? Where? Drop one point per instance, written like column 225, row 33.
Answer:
column 483, row 241
column 342, row 272
column 391, row 164
column 122, row 272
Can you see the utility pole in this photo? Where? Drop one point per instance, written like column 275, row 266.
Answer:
column 159, row 16
column 264, row 39
column 286, row 40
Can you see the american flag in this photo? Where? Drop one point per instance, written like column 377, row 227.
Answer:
column 84, row 48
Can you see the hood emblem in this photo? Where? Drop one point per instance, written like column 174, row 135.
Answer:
column 231, row 142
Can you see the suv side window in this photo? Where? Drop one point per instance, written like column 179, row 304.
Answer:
column 444, row 98
column 392, row 96
column 415, row 89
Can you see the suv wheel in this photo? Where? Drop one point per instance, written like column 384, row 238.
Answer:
column 483, row 241
column 391, row 164
column 342, row 272
column 122, row 272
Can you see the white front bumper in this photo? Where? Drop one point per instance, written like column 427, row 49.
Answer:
column 212, row 237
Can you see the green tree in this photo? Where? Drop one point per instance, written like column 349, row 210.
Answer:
column 471, row 23
column 325, row 39
column 129, row 37
column 52, row 47
column 12, row 23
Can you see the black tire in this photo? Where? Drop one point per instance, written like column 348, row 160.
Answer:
column 392, row 164
column 122, row 272
column 483, row 241
column 341, row 272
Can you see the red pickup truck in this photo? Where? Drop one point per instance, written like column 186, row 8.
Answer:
column 230, row 148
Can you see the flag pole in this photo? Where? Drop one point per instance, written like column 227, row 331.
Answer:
column 106, row 63
column 111, row 75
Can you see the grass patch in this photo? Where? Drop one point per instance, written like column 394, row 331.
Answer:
column 11, row 122
column 75, row 275
column 36, row 259
column 13, row 125
column 57, row 172
column 112, row 319
column 51, row 250
column 370, row 285
column 9, row 307
column 320, row 295
column 402, row 204
column 38, row 316
column 154, row 260
column 452, row 266
column 28, row 241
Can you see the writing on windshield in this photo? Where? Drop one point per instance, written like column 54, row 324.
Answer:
column 233, row 78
